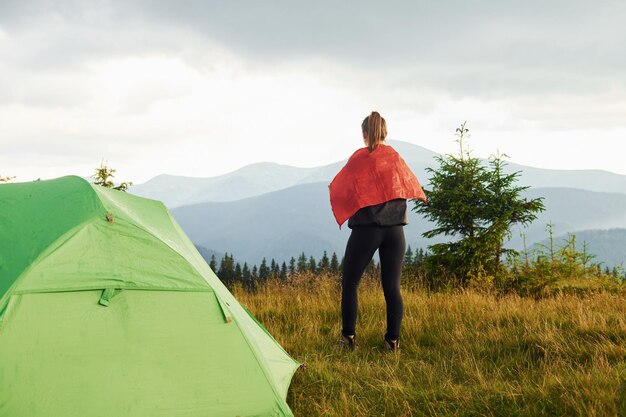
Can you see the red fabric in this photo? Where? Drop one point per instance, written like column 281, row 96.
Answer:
column 373, row 178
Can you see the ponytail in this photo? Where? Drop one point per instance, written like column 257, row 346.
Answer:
column 374, row 130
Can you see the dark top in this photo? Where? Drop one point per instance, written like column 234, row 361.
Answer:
column 390, row 213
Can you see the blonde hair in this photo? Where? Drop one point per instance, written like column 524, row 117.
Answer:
column 374, row 130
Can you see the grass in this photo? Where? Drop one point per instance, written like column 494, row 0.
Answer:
column 462, row 354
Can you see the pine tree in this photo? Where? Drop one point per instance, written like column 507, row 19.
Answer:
column 302, row 263
column 246, row 276
column 477, row 205
column 213, row 263
column 419, row 258
column 312, row 266
column 324, row 265
column 103, row 177
column 264, row 271
column 227, row 269
column 223, row 271
column 238, row 273
column 334, row 264
column 292, row 266
column 408, row 256
column 274, row 269
column 283, row 271
column 254, row 278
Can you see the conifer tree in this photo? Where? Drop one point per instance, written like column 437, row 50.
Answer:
column 103, row 177
column 334, row 263
column 408, row 256
column 283, row 271
column 246, row 276
column 222, row 271
column 264, row 271
column 476, row 205
column 302, row 265
column 238, row 273
column 292, row 266
column 227, row 269
column 274, row 269
column 419, row 257
column 312, row 266
column 324, row 265
column 213, row 263
column 254, row 278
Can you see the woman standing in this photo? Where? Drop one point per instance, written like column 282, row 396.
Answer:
column 371, row 191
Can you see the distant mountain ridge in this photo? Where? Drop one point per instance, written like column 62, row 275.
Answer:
column 277, row 211
column 298, row 219
column 266, row 177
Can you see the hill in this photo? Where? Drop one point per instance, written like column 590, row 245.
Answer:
column 284, row 223
column 267, row 177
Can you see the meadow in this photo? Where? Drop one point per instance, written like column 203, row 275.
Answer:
column 462, row 352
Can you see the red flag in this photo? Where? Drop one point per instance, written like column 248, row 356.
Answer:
column 373, row 178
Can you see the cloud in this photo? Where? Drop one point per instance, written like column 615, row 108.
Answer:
column 200, row 87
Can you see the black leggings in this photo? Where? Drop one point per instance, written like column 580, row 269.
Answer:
column 363, row 242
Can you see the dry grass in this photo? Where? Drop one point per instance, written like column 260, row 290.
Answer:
column 462, row 354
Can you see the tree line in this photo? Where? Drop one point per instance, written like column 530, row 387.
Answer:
column 230, row 271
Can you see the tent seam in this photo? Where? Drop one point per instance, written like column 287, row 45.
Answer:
column 58, row 243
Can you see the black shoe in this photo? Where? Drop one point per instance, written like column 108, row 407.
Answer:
column 348, row 342
column 392, row 345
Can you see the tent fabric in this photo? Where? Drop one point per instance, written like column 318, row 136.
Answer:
column 107, row 308
column 372, row 178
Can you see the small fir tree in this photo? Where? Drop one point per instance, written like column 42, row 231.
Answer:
column 213, row 263
column 292, row 266
column 408, row 256
column 334, row 264
column 476, row 206
column 103, row 177
column 238, row 273
column 324, row 265
column 312, row 265
column 264, row 271
column 302, row 264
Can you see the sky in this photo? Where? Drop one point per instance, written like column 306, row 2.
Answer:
column 200, row 87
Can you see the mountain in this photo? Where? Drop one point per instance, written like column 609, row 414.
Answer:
column 284, row 223
column 257, row 179
column 265, row 177
column 276, row 225
column 208, row 253
column 573, row 210
column 245, row 182
column 272, row 210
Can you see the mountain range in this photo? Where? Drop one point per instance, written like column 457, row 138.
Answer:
column 278, row 211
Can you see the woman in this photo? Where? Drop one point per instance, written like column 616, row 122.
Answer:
column 371, row 191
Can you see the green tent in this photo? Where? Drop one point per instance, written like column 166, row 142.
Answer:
column 107, row 309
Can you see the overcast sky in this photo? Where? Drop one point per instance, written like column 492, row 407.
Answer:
column 200, row 88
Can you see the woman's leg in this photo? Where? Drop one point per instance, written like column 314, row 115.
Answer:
column 360, row 248
column 391, row 256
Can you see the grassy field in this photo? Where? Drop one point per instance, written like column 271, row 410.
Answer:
column 462, row 354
